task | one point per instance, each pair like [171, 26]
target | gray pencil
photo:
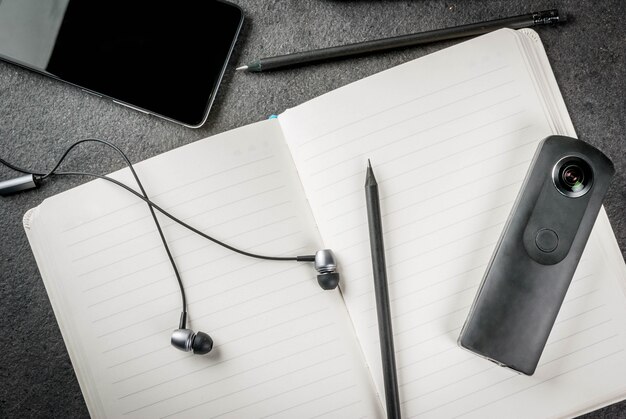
[546, 17]
[385, 331]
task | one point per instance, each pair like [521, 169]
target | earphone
[182, 338]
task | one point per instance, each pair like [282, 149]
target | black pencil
[392, 397]
[546, 17]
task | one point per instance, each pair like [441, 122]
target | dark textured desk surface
[40, 117]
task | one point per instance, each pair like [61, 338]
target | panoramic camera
[537, 254]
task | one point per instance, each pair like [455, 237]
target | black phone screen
[166, 57]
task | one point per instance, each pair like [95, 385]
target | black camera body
[537, 254]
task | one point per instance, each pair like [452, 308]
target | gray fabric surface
[39, 117]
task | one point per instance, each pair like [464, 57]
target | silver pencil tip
[243, 67]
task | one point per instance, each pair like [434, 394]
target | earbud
[186, 340]
[326, 265]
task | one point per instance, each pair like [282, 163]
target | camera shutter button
[546, 240]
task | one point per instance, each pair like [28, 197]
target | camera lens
[572, 176]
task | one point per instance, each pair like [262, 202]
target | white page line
[234, 375]
[349, 176]
[217, 294]
[336, 409]
[166, 226]
[211, 365]
[174, 310]
[152, 196]
[349, 194]
[166, 261]
[379, 163]
[454, 102]
[398, 105]
[251, 404]
[332, 393]
[160, 245]
[167, 222]
[168, 277]
[202, 246]
[191, 304]
[299, 300]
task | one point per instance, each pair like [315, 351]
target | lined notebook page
[450, 137]
[283, 347]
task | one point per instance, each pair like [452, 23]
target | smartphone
[533, 264]
[162, 58]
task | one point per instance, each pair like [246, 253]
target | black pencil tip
[369, 176]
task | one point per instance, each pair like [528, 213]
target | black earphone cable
[152, 206]
[42, 176]
[181, 222]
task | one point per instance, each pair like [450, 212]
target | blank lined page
[283, 346]
[450, 137]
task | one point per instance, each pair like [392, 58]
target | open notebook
[450, 136]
